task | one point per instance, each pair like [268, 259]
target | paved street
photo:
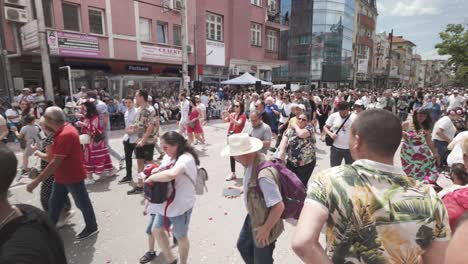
[215, 225]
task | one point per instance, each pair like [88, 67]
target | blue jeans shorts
[180, 224]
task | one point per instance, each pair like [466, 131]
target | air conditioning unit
[16, 15]
[189, 48]
[21, 3]
[178, 4]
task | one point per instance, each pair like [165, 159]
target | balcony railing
[277, 19]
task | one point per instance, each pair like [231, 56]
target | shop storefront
[212, 76]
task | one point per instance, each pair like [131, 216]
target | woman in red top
[97, 158]
[236, 122]
[193, 125]
[455, 197]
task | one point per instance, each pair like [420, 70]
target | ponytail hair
[175, 139]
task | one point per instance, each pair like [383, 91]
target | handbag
[98, 137]
[328, 140]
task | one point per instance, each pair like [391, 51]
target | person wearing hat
[263, 224]
[25, 95]
[358, 107]
[340, 148]
[39, 95]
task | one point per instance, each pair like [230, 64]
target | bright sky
[420, 21]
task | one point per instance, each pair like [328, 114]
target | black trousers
[302, 172]
[233, 164]
[128, 149]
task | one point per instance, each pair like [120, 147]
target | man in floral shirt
[374, 213]
[146, 127]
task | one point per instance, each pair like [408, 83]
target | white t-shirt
[184, 110]
[447, 125]
[287, 110]
[455, 101]
[456, 155]
[11, 112]
[334, 121]
[204, 99]
[185, 190]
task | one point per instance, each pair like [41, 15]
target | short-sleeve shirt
[301, 151]
[185, 195]
[269, 188]
[262, 132]
[11, 112]
[237, 128]
[377, 214]
[102, 109]
[447, 125]
[334, 121]
[146, 117]
[67, 144]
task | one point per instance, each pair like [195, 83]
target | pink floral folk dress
[416, 158]
[97, 158]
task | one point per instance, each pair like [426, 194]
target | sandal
[231, 177]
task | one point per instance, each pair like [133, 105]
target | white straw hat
[241, 144]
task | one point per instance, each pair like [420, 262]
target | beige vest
[256, 207]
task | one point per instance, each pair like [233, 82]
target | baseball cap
[359, 103]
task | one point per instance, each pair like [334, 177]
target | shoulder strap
[342, 124]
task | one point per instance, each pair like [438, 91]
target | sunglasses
[302, 119]
[257, 106]
[237, 106]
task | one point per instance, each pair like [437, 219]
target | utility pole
[49, 92]
[389, 62]
[184, 38]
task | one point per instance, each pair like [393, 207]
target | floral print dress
[417, 159]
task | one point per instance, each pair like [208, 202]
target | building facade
[401, 61]
[433, 73]
[128, 44]
[364, 35]
[320, 43]
[380, 59]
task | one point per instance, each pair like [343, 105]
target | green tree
[455, 44]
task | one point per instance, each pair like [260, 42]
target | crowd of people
[374, 209]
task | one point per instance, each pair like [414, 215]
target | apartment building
[129, 44]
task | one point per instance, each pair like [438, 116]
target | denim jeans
[441, 147]
[128, 148]
[81, 198]
[337, 155]
[249, 252]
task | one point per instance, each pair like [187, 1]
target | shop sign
[75, 45]
[30, 36]
[161, 53]
[138, 68]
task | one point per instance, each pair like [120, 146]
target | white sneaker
[65, 218]
[89, 181]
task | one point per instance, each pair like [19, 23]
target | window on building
[214, 27]
[256, 2]
[272, 6]
[255, 34]
[161, 32]
[177, 35]
[145, 30]
[177, 4]
[96, 21]
[71, 17]
[48, 13]
[272, 40]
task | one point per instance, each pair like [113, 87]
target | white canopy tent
[245, 79]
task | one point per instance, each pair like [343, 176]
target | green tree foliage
[455, 44]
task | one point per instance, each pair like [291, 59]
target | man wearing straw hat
[262, 225]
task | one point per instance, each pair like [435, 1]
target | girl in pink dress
[193, 125]
[97, 158]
